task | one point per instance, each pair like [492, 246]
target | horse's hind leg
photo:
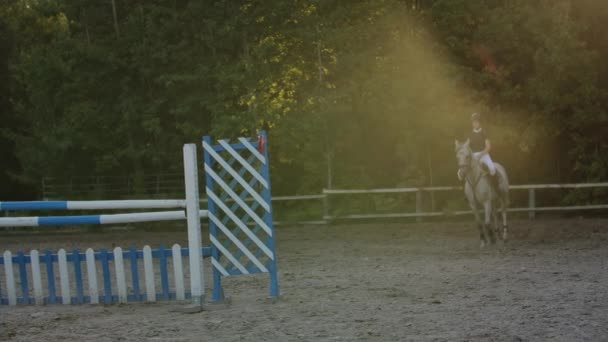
[482, 235]
[495, 223]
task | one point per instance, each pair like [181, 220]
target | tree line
[357, 93]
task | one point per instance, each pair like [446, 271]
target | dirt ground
[372, 282]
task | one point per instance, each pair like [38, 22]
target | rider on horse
[480, 145]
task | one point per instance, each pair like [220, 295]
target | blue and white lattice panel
[240, 209]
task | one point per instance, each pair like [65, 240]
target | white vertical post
[419, 205]
[197, 286]
[149, 274]
[36, 277]
[531, 203]
[66, 297]
[326, 209]
[121, 282]
[92, 276]
[178, 273]
[10, 278]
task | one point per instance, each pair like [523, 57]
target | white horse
[480, 192]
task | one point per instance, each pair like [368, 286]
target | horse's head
[464, 155]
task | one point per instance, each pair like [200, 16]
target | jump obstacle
[241, 234]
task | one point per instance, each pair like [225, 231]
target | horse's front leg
[482, 236]
[487, 206]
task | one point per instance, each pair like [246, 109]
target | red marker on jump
[261, 144]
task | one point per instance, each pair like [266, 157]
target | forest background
[353, 93]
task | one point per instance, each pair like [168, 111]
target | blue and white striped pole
[95, 219]
[92, 205]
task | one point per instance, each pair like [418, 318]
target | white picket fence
[110, 277]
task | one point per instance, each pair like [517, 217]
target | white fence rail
[326, 215]
[532, 209]
[419, 213]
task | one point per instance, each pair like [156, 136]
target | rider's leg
[487, 161]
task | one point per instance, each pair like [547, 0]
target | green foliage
[376, 89]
